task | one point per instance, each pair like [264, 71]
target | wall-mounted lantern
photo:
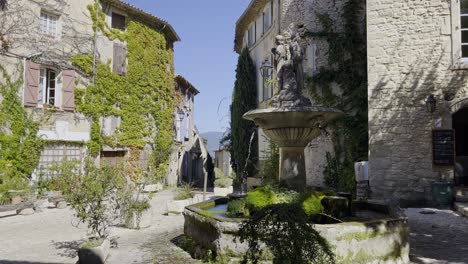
[266, 68]
[181, 115]
[431, 104]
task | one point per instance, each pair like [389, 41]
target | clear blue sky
[205, 55]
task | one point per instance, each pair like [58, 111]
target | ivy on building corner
[144, 99]
[20, 147]
[347, 69]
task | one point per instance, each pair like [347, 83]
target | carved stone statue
[289, 57]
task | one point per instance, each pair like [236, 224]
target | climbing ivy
[144, 98]
[348, 69]
[20, 147]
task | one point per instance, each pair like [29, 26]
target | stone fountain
[376, 232]
[291, 121]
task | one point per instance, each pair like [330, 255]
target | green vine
[20, 147]
[144, 99]
[348, 69]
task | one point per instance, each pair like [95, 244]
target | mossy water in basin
[219, 210]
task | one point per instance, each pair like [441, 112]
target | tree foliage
[244, 99]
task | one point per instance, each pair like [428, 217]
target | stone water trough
[377, 234]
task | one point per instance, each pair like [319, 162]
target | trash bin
[442, 194]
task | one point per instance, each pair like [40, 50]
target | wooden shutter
[120, 59]
[68, 90]
[31, 89]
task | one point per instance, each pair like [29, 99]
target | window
[47, 87]
[55, 153]
[267, 19]
[113, 158]
[120, 59]
[464, 28]
[118, 21]
[49, 24]
[252, 35]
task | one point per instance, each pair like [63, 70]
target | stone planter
[96, 255]
[178, 206]
[41, 205]
[145, 220]
[223, 191]
[382, 240]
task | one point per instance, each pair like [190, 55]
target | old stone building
[38, 41]
[257, 29]
[417, 52]
[190, 160]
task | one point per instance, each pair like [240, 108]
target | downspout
[95, 44]
[279, 17]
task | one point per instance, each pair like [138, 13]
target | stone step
[461, 198]
[462, 208]
[461, 191]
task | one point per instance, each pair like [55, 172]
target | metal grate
[56, 153]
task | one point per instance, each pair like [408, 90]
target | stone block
[153, 188]
[61, 205]
[223, 191]
[16, 200]
[25, 211]
[177, 207]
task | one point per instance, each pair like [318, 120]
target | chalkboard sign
[443, 147]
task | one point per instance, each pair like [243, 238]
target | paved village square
[242, 131]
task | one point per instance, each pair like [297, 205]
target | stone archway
[460, 126]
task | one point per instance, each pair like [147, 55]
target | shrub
[237, 208]
[313, 204]
[184, 192]
[223, 182]
[260, 197]
[93, 194]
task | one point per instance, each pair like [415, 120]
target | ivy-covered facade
[86, 79]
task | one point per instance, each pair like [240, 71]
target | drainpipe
[279, 17]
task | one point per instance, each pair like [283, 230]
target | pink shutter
[68, 90]
[31, 89]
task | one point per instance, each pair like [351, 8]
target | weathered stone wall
[409, 57]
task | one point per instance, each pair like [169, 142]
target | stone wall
[409, 57]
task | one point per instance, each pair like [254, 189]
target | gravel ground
[441, 237]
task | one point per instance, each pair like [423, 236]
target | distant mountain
[213, 141]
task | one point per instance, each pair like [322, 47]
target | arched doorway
[460, 125]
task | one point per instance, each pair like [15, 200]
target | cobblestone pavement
[49, 237]
[440, 238]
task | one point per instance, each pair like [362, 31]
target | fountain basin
[291, 129]
[381, 237]
[293, 126]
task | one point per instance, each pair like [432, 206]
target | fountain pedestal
[292, 167]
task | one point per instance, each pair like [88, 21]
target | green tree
[244, 99]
